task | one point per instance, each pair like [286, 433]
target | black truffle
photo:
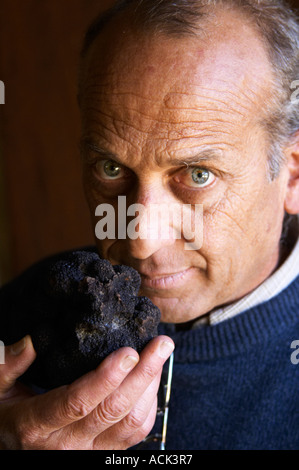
[78, 310]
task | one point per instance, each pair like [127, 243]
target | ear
[291, 203]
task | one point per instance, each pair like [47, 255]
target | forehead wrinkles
[175, 117]
[155, 90]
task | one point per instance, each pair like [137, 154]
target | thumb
[16, 359]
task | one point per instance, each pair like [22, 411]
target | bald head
[226, 52]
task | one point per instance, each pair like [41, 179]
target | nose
[154, 224]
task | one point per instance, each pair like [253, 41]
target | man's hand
[112, 407]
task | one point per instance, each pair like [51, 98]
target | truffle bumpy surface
[79, 310]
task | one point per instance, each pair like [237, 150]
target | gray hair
[278, 26]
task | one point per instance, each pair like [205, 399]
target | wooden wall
[42, 208]
[42, 203]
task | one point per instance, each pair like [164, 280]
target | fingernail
[165, 349]
[18, 347]
[128, 363]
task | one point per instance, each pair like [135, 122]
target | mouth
[166, 281]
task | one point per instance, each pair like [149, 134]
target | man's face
[151, 103]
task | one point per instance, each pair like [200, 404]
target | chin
[176, 310]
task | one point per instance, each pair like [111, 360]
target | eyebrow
[207, 154]
[99, 150]
[199, 157]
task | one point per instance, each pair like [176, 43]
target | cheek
[242, 233]
[232, 229]
[225, 227]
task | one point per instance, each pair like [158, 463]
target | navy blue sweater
[234, 385]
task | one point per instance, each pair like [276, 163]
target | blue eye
[108, 169]
[111, 169]
[196, 177]
[200, 176]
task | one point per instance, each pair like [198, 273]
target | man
[189, 103]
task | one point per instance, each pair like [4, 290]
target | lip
[166, 281]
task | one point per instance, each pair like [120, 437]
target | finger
[106, 441]
[17, 359]
[135, 426]
[65, 405]
[118, 404]
[145, 429]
